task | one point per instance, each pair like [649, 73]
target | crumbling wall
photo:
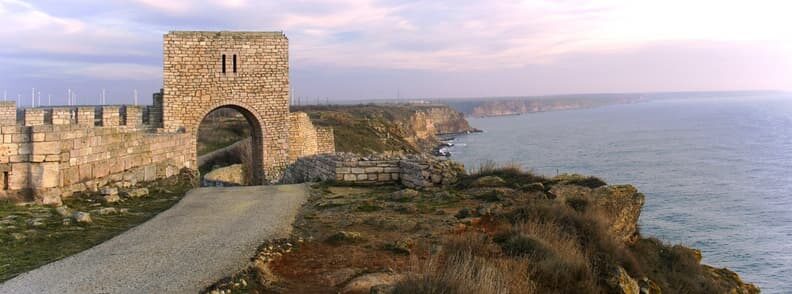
[418, 172]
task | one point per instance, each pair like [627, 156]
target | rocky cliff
[482, 107]
[372, 128]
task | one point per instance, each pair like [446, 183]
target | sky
[372, 49]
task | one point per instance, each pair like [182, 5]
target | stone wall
[302, 136]
[418, 172]
[325, 140]
[247, 71]
[54, 152]
[8, 113]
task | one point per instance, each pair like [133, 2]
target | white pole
[49, 99]
[33, 97]
[136, 97]
[104, 99]
[39, 98]
[68, 97]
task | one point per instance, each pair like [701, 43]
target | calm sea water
[717, 173]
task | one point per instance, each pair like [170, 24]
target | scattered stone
[109, 191]
[112, 198]
[18, 236]
[365, 283]
[123, 210]
[82, 217]
[66, 221]
[107, 211]
[136, 193]
[345, 237]
[404, 195]
[63, 211]
[488, 181]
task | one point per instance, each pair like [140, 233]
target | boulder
[63, 211]
[82, 217]
[365, 283]
[488, 181]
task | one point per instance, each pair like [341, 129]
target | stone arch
[257, 136]
[194, 85]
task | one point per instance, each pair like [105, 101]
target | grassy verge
[31, 236]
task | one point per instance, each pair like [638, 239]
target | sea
[716, 171]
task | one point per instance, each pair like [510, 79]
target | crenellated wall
[51, 153]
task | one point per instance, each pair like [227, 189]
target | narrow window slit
[234, 64]
[224, 63]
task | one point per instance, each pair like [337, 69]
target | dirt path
[209, 234]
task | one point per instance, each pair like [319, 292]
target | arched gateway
[246, 71]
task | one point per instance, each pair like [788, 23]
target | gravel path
[211, 233]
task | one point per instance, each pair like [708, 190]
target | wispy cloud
[442, 37]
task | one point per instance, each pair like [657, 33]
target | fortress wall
[45, 160]
[413, 172]
[302, 136]
[8, 113]
[325, 140]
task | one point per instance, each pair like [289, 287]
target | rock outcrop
[621, 204]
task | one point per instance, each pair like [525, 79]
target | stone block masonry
[44, 160]
[49, 153]
[417, 172]
[247, 71]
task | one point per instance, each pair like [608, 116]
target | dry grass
[468, 264]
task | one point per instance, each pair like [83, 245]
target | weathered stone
[63, 211]
[107, 210]
[109, 191]
[82, 217]
[136, 193]
[112, 198]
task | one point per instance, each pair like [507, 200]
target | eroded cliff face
[410, 128]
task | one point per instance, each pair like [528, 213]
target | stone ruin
[53, 152]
